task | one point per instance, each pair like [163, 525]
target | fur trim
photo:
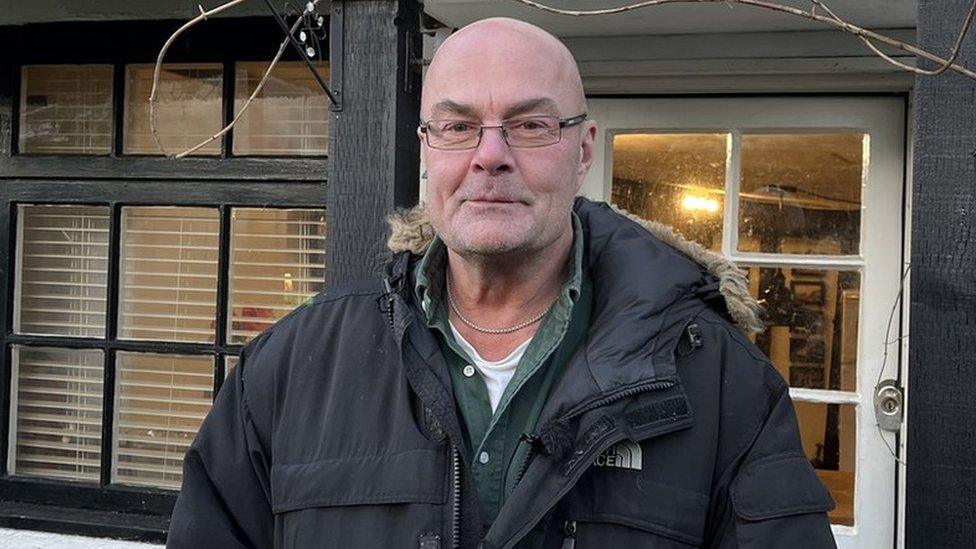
[410, 230]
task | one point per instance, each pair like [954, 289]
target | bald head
[493, 55]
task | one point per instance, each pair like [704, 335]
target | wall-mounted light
[694, 203]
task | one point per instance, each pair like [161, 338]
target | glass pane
[161, 401]
[58, 403]
[277, 262]
[230, 362]
[289, 117]
[811, 324]
[169, 273]
[62, 270]
[188, 108]
[677, 179]
[828, 433]
[66, 109]
[801, 193]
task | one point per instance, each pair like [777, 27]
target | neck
[496, 292]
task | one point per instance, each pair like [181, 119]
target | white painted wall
[27, 539]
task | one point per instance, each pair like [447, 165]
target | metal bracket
[889, 405]
[337, 39]
[336, 105]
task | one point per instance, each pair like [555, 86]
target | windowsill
[66, 520]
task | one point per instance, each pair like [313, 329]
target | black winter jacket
[668, 428]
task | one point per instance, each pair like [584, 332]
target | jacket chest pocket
[389, 500]
[614, 508]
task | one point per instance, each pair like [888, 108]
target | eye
[455, 126]
[533, 124]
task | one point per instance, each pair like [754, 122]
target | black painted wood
[941, 473]
[374, 153]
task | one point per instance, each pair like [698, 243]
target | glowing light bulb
[699, 204]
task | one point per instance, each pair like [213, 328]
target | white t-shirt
[496, 374]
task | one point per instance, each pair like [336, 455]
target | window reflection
[801, 188]
[66, 109]
[188, 108]
[811, 324]
[828, 434]
[677, 179]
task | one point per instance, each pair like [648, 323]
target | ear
[586, 151]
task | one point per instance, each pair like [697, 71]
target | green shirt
[495, 439]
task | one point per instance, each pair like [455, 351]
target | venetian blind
[66, 109]
[169, 273]
[161, 400]
[277, 262]
[62, 258]
[58, 400]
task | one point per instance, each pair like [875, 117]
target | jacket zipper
[456, 499]
[534, 439]
[570, 527]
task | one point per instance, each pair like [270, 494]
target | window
[134, 280]
[167, 286]
[290, 116]
[66, 109]
[188, 108]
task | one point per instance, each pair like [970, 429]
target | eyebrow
[449, 107]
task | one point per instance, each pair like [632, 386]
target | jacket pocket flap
[415, 476]
[779, 486]
[654, 507]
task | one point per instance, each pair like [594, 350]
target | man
[534, 370]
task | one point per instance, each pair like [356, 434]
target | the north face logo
[624, 455]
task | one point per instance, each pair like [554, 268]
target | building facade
[132, 280]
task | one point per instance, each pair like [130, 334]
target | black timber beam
[374, 153]
[941, 472]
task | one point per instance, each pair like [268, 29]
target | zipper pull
[569, 531]
[694, 335]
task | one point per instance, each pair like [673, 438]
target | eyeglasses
[533, 131]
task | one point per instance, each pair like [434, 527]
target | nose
[493, 154]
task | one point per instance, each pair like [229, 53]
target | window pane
[188, 108]
[66, 109]
[289, 117]
[277, 262]
[811, 324]
[169, 273]
[58, 412]
[230, 362]
[828, 433]
[804, 187]
[677, 179]
[62, 269]
[161, 401]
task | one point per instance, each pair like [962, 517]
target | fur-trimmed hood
[410, 230]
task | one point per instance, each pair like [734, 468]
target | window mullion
[118, 107]
[227, 143]
[111, 329]
[223, 290]
[730, 216]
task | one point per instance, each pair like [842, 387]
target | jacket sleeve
[225, 498]
[774, 497]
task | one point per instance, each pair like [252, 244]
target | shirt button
[468, 370]
[483, 458]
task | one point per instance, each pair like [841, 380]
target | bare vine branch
[257, 89]
[865, 35]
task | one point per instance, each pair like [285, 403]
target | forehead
[497, 78]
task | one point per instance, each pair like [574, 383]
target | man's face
[497, 200]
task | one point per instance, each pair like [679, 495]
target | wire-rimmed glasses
[530, 131]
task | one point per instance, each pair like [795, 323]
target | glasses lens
[537, 131]
[452, 134]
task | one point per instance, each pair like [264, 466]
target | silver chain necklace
[493, 331]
